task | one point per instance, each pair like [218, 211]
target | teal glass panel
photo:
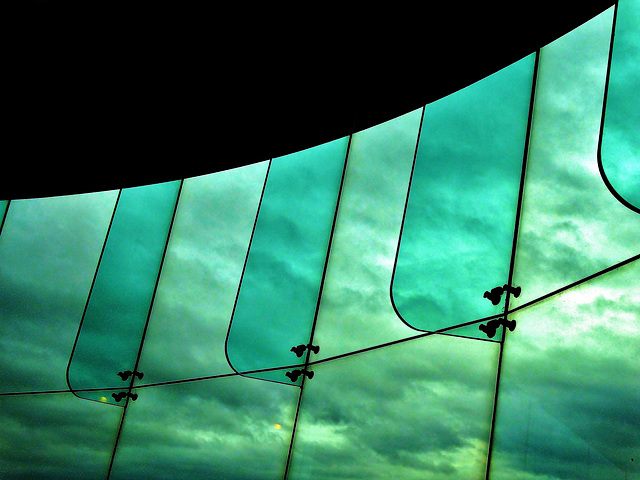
[3, 210]
[116, 313]
[200, 275]
[355, 296]
[569, 390]
[620, 148]
[49, 250]
[458, 230]
[568, 387]
[55, 436]
[417, 410]
[230, 428]
[571, 226]
[277, 299]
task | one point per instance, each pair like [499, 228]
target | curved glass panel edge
[457, 234]
[111, 329]
[619, 152]
[279, 289]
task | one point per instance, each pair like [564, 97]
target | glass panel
[569, 394]
[458, 229]
[620, 148]
[231, 428]
[355, 297]
[116, 313]
[276, 303]
[571, 225]
[3, 210]
[49, 250]
[200, 276]
[569, 375]
[55, 436]
[412, 411]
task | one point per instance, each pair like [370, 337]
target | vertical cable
[318, 302]
[516, 229]
[144, 332]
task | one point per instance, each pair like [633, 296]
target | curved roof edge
[105, 97]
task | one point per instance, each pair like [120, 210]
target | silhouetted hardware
[492, 326]
[127, 373]
[510, 324]
[299, 350]
[495, 295]
[515, 291]
[120, 395]
[294, 374]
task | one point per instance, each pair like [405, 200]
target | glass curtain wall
[450, 294]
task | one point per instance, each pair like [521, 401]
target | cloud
[416, 409]
[405, 408]
[571, 225]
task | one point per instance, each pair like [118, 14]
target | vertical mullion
[513, 256]
[93, 282]
[144, 332]
[317, 310]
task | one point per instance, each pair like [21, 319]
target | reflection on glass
[116, 313]
[416, 410]
[49, 250]
[458, 230]
[571, 225]
[277, 300]
[231, 428]
[620, 148]
[55, 436]
[569, 394]
[200, 275]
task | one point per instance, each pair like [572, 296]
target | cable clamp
[299, 350]
[294, 374]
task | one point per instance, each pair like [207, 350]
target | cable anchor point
[299, 349]
[492, 326]
[127, 373]
[294, 374]
[495, 295]
[120, 395]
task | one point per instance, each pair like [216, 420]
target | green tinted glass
[200, 275]
[569, 385]
[421, 409]
[3, 210]
[571, 225]
[231, 428]
[55, 436]
[117, 310]
[458, 229]
[356, 296]
[276, 303]
[49, 250]
[620, 148]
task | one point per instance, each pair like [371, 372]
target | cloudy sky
[420, 408]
